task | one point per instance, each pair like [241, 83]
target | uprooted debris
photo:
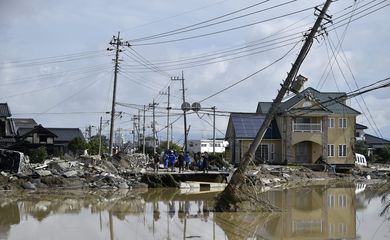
[122, 171]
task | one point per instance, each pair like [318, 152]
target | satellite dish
[196, 106]
[185, 106]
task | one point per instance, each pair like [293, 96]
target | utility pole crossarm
[229, 197]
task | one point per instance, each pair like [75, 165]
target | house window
[331, 123]
[265, 152]
[342, 123]
[342, 201]
[42, 139]
[330, 150]
[272, 151]
[343, 228]
[331, 201]
[203, 145]
[342, 150]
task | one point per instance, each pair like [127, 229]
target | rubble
[122, 171]
[126, 171]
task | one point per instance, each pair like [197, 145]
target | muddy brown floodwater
[317, 212]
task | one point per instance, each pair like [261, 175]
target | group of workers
[183, 161]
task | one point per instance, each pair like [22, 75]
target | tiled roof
[24, 123]
[374, 140]
[263, 107]
[246, 126]
[66, 134]
[4, 110]
[330, 102]
[22, 132]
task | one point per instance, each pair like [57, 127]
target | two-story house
[313, 126]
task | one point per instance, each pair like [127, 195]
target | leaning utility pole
[228, 199]
[116, 42]
[183, 108]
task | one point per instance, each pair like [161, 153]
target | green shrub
[38, 155]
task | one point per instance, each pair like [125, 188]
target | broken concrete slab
[60, 166]
[28, 185]
[123, 185]
[43, 173]
[11, 160]
[71, 173]
[109, 167]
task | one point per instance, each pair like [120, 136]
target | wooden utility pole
[116, 42]
[228, 199]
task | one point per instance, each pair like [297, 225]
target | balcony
[307, 127]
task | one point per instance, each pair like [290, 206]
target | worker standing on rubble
[180, 159]
[172, 160]
[166, 159]
[156, 161]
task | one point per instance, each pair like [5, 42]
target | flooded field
[319, 212]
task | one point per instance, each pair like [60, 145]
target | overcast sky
[54, 66]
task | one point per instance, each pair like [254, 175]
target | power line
[251, 75]
[193, 26]
[176, 15]
[227, 57]
[60, 60]
[225, 30]
[45, 88]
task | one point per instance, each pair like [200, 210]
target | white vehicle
[360, 160]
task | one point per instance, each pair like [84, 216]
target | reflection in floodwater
[320, 212]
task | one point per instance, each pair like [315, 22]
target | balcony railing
[307, 127]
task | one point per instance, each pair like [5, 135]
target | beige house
[309, 127]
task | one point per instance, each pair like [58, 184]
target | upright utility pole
[213, 129]
[183, 108]
[139, 127]
[228, 199]
[143, 132]
[154, 125]
[116, 42]
[168, 109]
[100, 135]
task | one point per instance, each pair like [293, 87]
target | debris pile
[122, 171]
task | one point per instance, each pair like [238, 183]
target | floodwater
[320, 212]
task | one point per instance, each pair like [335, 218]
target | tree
[93, 145]
[77, 145]
[38, 155]
[382, 155]
[361, 148]
[172, 146]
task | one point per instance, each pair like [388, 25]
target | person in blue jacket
[166, 159]
[172, 160]
[187, 160]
